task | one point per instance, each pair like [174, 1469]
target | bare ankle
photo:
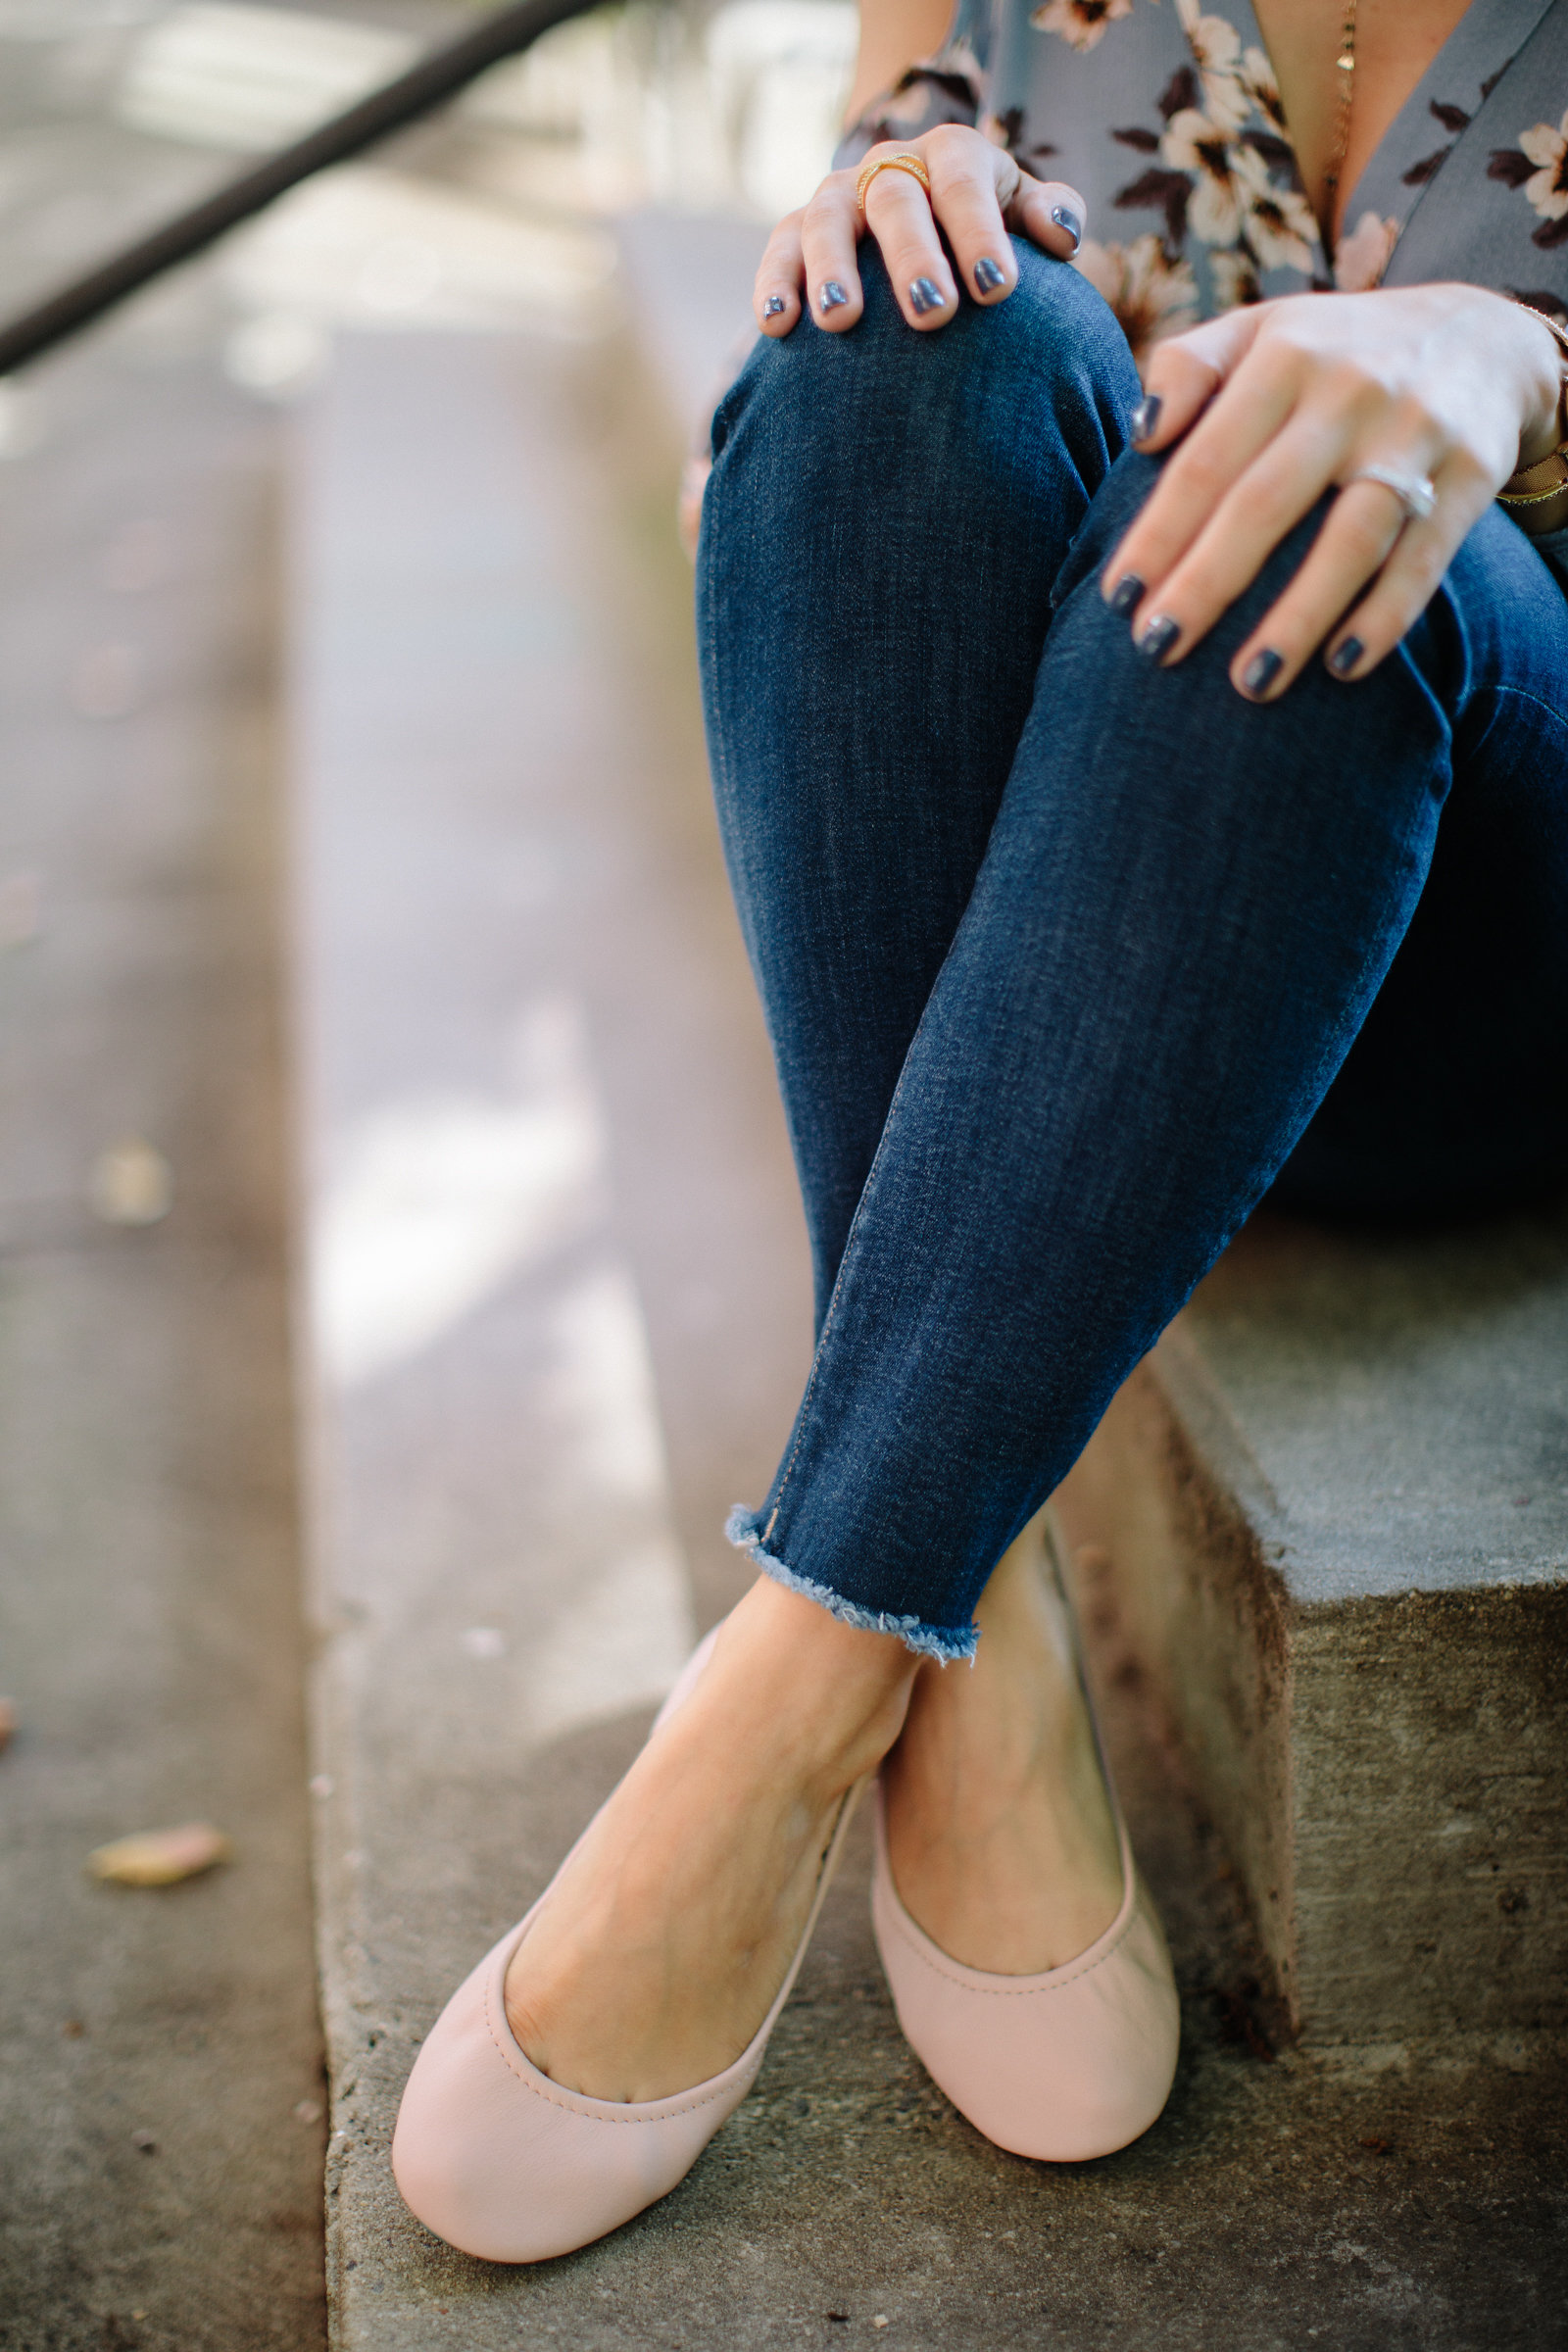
[831, 1696]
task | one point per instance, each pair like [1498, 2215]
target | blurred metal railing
[436, 76]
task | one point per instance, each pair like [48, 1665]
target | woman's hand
[977, 194]
[1276, 404]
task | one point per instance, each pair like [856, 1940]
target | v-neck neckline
[1486, 38]
[1407, 158]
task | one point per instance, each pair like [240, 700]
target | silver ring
[1416, 492]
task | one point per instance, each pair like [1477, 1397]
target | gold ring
[889, 162]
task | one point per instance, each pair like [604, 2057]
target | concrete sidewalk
[160, 2166]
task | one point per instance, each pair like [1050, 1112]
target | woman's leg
[885, 518]
[1190, 991]
[1186, 910]
[918, 496]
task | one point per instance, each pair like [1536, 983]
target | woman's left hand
[1274, 405]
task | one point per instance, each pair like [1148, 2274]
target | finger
[780, 277]
[967, 182]
[1182, 375]
[1410, 578]
[830, 230]
[1050, 212]
[1196, 480]
[898, 214]
[1359, 535]
[1240, 533]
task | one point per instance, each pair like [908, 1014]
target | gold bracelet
[1538, 483]
[1547, 479]
[889, 162]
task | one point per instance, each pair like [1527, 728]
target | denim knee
[993, 407]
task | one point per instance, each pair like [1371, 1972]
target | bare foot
[1001, 1835]
[667, 1933]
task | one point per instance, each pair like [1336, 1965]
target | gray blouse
[1166, 116]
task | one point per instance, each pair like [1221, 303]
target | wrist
[1535, 494]
[1543, 518]
[1542, 428]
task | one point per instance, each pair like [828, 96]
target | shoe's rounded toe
[1062, 2067]
[507, 2165]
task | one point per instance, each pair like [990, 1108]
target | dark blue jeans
[1068, 960]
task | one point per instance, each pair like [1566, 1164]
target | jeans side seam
[788, 1471]
[721, 755]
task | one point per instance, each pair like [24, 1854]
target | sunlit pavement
[371, 722]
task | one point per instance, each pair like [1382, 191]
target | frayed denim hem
[939, 1642]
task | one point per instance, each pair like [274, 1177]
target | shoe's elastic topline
[1069, 2064]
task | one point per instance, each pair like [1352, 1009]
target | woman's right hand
[978, 193]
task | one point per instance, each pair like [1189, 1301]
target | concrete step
[1327, 1523]
[554, 1317]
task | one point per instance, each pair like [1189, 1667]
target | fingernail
[989, 274]
[1070, 223]
[1261, 671]
[774, 307]
[832, 296]
[1345, 657]
[1145, 418]
[924, 296]
[1159, 636]
[1127, 595]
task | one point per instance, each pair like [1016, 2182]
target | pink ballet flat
[1062, 2066]
[506, 2164]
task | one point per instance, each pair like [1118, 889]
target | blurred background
[502, 212]
[400, 1268]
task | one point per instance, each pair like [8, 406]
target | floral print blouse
[1166, 115]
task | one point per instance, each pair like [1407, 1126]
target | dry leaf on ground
[132, 1183]
[8, 1721]
[161, 1857]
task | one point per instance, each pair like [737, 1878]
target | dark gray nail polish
[1070, 223]
[1127, 595]
[1145, 418]
[1159, 636]
[832, 296]
[1261, 671]
[1346, 655]
[923, 297]
[989, 274]
[774, 307]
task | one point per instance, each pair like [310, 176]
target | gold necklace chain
[1345, 68]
